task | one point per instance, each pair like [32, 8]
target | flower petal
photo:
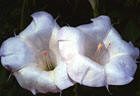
[39, 31]
[119, 46]
[95, 33]
[36, 80]
[122, 64]
[16, 54]
[61, 77]
[120, 70]
[98, 29]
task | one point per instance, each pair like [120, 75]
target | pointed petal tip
[42, 15]
[33, 91]
[102, 17]
[136, 51]
[107, 87]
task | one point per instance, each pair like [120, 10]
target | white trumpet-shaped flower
[96, 55]
[32, 51]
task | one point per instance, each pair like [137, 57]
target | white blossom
[96, 55]
[30, 53]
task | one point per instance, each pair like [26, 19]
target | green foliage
[124, 14]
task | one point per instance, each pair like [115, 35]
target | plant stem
[94, 4]
[75, 90]
[22, 15]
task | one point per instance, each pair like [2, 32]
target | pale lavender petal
[122, 64]
[16, 54]
[39, 31]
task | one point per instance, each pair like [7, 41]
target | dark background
[124, 14]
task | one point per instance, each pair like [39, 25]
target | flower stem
[75, 90]
[22, 14]
[94, 4]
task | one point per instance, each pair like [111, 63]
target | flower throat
[47, 60]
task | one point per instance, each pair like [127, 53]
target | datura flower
[33, 56]
[96, 55]
[46, 58]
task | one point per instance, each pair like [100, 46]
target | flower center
[101, 55]
[47, 60]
